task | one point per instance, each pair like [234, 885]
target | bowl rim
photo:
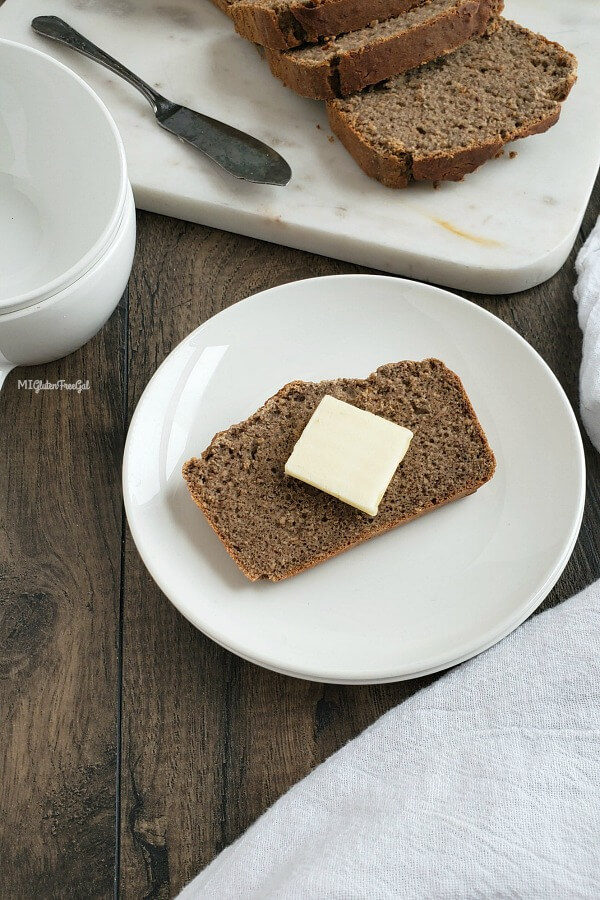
[127, 215]
[85, 262]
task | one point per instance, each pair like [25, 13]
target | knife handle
[57, 29]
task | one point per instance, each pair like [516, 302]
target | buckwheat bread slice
[352, 61]
[282, 24]
[275, 526]
[446, 118]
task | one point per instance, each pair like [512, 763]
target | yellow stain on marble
[482, 241]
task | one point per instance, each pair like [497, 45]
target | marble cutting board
[505, 228]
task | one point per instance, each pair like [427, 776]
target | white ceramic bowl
[67, 218]
[62, 323]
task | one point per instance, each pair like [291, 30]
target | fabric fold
[484, 785]
[587, 296]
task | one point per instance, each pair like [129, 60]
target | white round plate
[420, 598]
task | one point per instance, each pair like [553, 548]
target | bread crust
[188, 472]
[322, 557]
[224, 5]
[355, 69]
[398, 170]
[306, 23]
[392, 169]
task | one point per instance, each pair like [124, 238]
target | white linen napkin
[587, 295]
[484, 785]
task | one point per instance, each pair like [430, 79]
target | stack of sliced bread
[415, 89]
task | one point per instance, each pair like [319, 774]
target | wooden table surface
[134, 749]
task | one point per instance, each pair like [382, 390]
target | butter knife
[238, 153]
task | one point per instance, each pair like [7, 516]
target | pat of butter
[349, 453]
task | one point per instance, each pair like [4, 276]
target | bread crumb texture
[283, 24]
[347, 63]
[445, 118]
[275, 526]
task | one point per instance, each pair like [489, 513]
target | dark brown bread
[354, 60]
[275, 526]
[282, 24]
[445, 119]
[225, 5]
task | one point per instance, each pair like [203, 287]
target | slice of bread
[354, 60]
[446, 118]
[282, 24]
[275, 526]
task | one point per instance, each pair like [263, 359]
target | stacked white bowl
[67, 216]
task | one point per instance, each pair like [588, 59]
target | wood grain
[210, 741]
[60, 551]
[198, 743]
